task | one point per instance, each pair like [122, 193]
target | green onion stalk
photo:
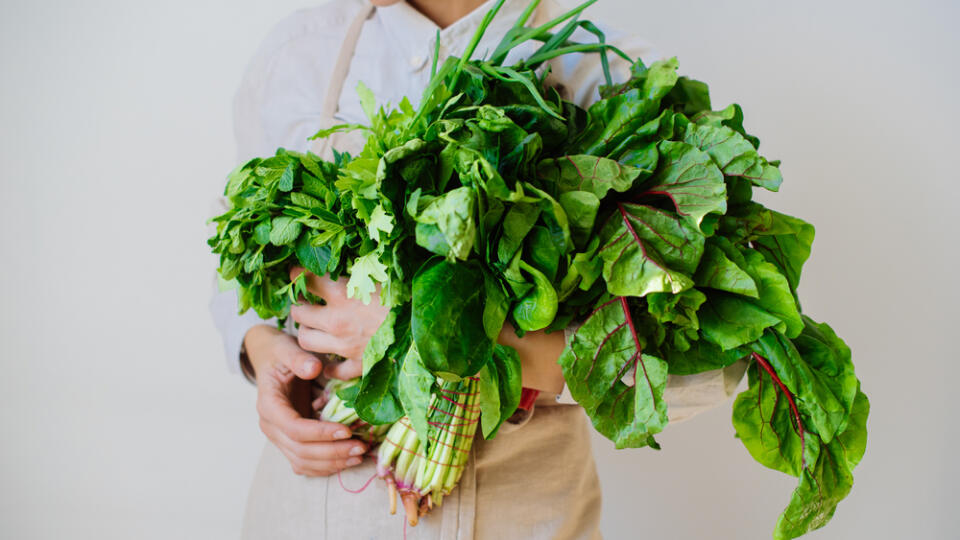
[337, 410]
[422, 473]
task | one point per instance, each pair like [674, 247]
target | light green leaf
[366, 272]
[284, 231]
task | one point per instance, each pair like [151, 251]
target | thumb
[346, 370]
[302, 363]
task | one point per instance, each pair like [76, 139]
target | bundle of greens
[498, 202]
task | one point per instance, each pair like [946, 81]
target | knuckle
[303, 339]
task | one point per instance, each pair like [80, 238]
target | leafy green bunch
[284, 209]
[497, 202]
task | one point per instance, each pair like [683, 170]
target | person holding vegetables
[537, 478]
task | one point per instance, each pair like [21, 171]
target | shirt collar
[414, 34]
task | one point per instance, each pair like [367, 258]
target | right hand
[284, 402]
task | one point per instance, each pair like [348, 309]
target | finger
[276, 409]
[301, 460]
[346, 370]
[296, 271]
[328, 451]
[302, 363]
[326, 288]
[319, 341]
[319, 403]
[318, 317]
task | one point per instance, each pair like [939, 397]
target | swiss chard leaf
[646, 250]
[690, 179]
[604, 349]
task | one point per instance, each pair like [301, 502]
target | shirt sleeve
[686, 395]
[277, 104]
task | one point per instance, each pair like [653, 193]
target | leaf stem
[763, 363]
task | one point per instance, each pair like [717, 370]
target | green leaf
[495, 307]
[261, 233]
[304, 200]
[815, 500]
[829, 480]
[734, 154]
[517, 223]
[615, 118]
[786, 243]
[536, 310]
[593, 174]
[366, 272]
[286, 179]
[581, 208]
[489, 399]
[506, 363]
[542, 252]
[380, 222]
[377, 402]
[765, 425]
[690, 179]
[380, 342]
[447, 319]
[699, 357]
[718, 271]
[604, 349]
[646, 250]
[415, 387]
[452, 216]
[821, 400]
[284, 230]
[314, 258]
[730, 321]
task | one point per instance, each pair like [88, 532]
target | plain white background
[119, 419]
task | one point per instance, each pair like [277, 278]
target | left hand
[343, 326]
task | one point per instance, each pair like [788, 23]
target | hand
[314, 448]
[538, 352]
[343, 326]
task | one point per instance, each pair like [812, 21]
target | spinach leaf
[447, 319]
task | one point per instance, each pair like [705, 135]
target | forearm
[257, 342]
[538, 353]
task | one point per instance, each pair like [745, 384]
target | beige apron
[535, 480]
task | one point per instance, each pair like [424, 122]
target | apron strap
[344, 58]
[331, 99]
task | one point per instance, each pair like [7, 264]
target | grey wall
[119, 420]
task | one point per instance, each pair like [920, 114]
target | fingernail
[309, 366]
[356, 450]
[341, 434]
[353, 461]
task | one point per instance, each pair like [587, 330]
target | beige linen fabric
[535, 480]
[538, 481]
